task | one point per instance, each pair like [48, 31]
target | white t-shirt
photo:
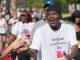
[2, 26]
[22, 29]
[39, 24]
[52, 43]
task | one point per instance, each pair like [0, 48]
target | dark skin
[54, 22]
[24, 18]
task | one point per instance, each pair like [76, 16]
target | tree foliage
[40, 3]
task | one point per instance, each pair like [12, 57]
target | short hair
[56, 8]
[75, 14]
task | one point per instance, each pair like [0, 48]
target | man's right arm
[33, 54]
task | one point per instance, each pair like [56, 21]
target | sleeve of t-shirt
[72, 36]
[36, 43]
[14, 29]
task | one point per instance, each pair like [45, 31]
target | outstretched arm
[14, 45]
[74, 50]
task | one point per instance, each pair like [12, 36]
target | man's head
[53, 15]
[46, 5]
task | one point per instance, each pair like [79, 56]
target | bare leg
[0, 43]
[3, 41]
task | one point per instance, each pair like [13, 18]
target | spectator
[35, 19]
[76, 19]
[22, 30]
[3, 31]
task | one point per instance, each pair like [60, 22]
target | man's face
[52, 18]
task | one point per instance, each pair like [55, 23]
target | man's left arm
[74, 50]
[73, 43]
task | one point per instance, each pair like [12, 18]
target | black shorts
[13, 55]
[21, 56]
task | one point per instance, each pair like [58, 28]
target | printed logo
[25, 33]
[60, 54]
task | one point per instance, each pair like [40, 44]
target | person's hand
[24, 48]
[17, 43]
[68, 57]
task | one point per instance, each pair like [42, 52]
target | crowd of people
[31, 35]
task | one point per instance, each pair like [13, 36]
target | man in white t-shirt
[55, 41]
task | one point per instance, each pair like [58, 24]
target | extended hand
[17, 43]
